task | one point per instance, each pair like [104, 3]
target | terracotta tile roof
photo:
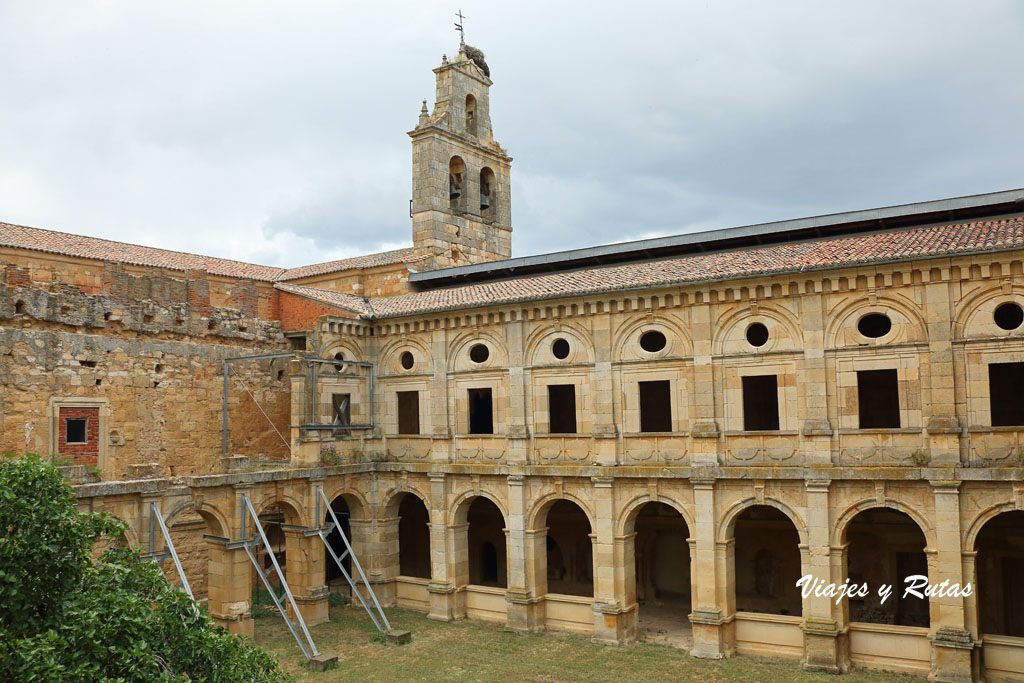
[777, 258]
[349, 302]
[52, 242]
[80, 246]
[384, 258]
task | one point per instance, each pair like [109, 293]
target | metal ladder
[251, 545]
[376, 612]
[156, 520]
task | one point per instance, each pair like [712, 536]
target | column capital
[945, 486]
[817, 485]
[603, 482]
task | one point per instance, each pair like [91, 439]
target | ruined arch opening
[999, 567]
[767, 562]
[662, 570]
[885, 546]
[569, 556]
[486, 548]
[413, 537]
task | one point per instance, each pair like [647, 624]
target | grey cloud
[277, 132]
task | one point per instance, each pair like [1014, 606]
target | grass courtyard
[471, 651]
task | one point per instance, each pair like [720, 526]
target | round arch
[725, 328]
[983, 518]
[393, 499]
[627, 518]
[538, 352]
[843, 522]
[349, 349]
[544, 503]
[727, 527]
[390, 356]
[680, 344]
[841, 317]
[458, 351]
[358, 510]
[460, 506]
[981, 304]
[289, 506]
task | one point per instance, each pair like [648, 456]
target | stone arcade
[655, 436]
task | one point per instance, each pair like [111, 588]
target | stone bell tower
[461, 208]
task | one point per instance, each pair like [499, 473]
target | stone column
[625, 586]
[229, 588]
[711, 618]
[440, 588]
[951, 641]
[522, 604]
[609, 622]
[822, 650]
[305, 575]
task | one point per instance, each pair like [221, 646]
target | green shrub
[65, 616]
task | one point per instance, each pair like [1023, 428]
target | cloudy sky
[274, 132]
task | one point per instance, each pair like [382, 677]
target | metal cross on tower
[458, 26]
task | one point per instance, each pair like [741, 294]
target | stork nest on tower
[477, 55]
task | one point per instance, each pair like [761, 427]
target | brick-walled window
[78, 434]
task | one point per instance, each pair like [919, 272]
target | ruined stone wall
[200, 290]
[146, 354]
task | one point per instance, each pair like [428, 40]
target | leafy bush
[65, 616]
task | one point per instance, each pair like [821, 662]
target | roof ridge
[130, 244]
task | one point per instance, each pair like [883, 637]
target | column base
[825, 646]
[442, 601]
[614, 625]
[951, 655]
[314, 607]
[238, 624]
[525, 612]
[713, 636]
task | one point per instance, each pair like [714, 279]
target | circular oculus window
[757, 334]
[560, 349]
[874, 325]
[1009, 316]
[652, 341]
[479, 353]
[407, 360]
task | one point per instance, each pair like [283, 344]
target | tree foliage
[65, 616]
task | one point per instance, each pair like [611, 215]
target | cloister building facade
[661, 435]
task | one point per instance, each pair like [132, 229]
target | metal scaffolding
[252, 546]
[376, 612]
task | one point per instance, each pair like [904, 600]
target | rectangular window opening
[341, 411]
[75, 430]
[760, 403]
[408, 412]
[481, 411]
[562, 408]
[878, 399]
[1005, 395]
[656, 406]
